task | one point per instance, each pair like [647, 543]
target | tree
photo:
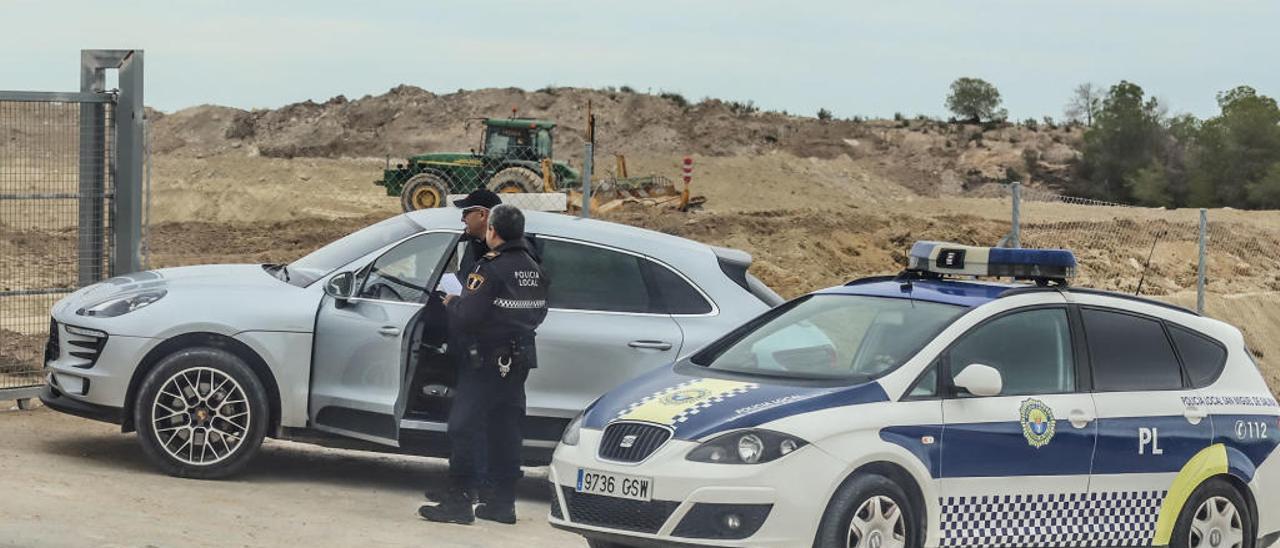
[1085, 102]
[1150, 186]
[824, 114]
[1237, 150]
[975, 100]
[1126, 136]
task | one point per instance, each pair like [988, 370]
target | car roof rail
[1100, 292]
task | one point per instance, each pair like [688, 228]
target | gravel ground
[66, 481]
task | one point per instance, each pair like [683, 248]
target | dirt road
[67, 481]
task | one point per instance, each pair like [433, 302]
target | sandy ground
[73, 482]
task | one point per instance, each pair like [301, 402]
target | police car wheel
[201, 413]
[869, 511]
[1215, 516]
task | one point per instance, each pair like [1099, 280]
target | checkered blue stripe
[1126, 518]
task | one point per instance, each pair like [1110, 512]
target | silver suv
[347, 343]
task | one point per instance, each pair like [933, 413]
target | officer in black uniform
[475, 215]
[504, 299]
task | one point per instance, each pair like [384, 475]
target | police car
[933, 408]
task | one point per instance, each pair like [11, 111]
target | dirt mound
[409, 120]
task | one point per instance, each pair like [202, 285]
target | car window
[403, 272]
[1030, 349]
[592, 278]
[329, 258]
[1129, 352]
[1203, 358]
[927, 385]
[834, 336]
[675, 294]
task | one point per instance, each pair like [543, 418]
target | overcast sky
[853, 57]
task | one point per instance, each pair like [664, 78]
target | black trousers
[484, 430]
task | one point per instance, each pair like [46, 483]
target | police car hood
[696, 406]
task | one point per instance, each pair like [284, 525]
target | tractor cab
[516, 139]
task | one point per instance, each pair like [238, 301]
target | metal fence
[69, 202]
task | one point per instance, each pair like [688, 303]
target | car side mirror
[980, 380]
[341, 286]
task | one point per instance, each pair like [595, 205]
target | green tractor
[514, 156]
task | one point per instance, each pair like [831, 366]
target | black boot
[455, 508]
[436, 494]
[501, 512]
[498, 504]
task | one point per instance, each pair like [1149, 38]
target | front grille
[632, 441]
[51, 347]
[615, 513]
[555, 503]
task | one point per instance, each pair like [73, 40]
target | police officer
[504, 299]
[475, 215]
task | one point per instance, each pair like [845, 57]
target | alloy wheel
[200, 416]
[1216, 524]
[878, 523]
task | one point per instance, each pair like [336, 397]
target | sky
[854, 57]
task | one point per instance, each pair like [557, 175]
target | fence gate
[70, 202]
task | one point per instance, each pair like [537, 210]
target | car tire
[201, 413]
[515, 179]
[1216, 508]
[880, 505]
[424, 191]
[593, 543]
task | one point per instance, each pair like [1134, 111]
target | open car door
[360, 366]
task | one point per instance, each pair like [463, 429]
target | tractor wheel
[424, 191]
[515, 179]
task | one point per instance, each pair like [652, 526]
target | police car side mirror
[340, 286]
[980, 380]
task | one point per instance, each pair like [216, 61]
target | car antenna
[1148, 265]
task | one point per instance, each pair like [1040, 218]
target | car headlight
[572, 432]
[121, 305]
[746, 447]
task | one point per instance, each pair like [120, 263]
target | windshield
[835, 337]
[321, 262]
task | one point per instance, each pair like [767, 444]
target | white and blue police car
[933, 408]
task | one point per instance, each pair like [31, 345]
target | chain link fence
[1223, 263]
[56, 218]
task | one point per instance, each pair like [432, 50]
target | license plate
[614, 485]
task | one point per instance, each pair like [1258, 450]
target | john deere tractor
[514, 156]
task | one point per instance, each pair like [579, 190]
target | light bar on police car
[963, 260]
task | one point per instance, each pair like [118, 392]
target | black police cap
[479, 198]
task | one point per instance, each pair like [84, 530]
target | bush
[824, 114]
[674, 97]
[898, 117]
[626, 89]
[1031, 124]
[549, 89]
[739, 108]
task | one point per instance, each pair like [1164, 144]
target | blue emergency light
[942, 258]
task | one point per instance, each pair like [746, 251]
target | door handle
[1195, 414]
[1079, 419]
[654, 345]
[389, 331]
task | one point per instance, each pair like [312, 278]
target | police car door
[1015, 465]
[1146, 430]
[359, 368]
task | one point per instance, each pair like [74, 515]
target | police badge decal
[1037, 422]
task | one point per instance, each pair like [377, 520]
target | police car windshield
[322, 261]
[836, 337]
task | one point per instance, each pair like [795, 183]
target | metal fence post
[126, 256]
[1204, 238]
[586, 182]
[1015, 235]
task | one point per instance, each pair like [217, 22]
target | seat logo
[685, 396]
[628, 441]
[1037, 422]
